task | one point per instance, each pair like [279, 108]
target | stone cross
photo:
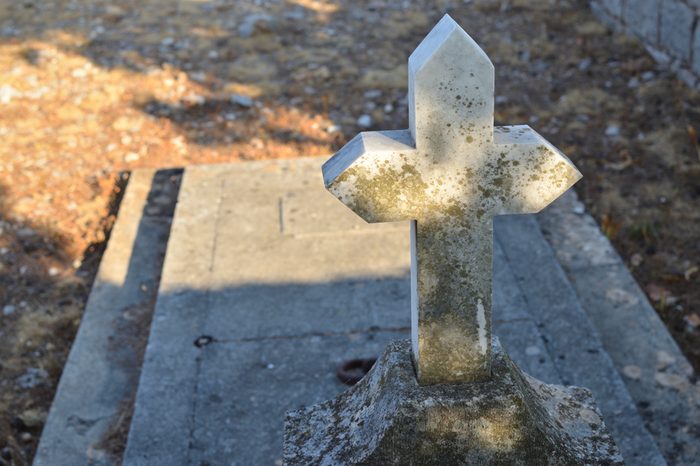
[450, 173]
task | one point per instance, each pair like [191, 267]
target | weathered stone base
[388, 419]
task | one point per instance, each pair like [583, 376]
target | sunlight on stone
[498, 430]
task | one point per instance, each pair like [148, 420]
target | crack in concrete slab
[213, 340]
[208, 297]
[301, 336]
[193, 413]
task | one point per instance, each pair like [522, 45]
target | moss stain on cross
[450, 173]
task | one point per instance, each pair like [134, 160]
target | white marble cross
[450, 174]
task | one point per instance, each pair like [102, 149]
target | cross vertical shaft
[451, 315]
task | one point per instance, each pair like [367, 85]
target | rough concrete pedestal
[388, 419]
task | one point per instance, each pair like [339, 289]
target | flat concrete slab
[570, 338]
[657, 375]
[269, 282]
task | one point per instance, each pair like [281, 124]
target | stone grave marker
[453, 396]
[450, 174]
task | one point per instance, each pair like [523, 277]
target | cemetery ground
[91, 90]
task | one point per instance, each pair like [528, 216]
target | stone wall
[668, 28]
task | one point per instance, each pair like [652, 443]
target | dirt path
[89, 89]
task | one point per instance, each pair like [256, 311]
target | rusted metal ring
[351, 371]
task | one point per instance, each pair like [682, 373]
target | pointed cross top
[450, 174]
[449, 78]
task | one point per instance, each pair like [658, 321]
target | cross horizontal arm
[533, 173]
[370, 175]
